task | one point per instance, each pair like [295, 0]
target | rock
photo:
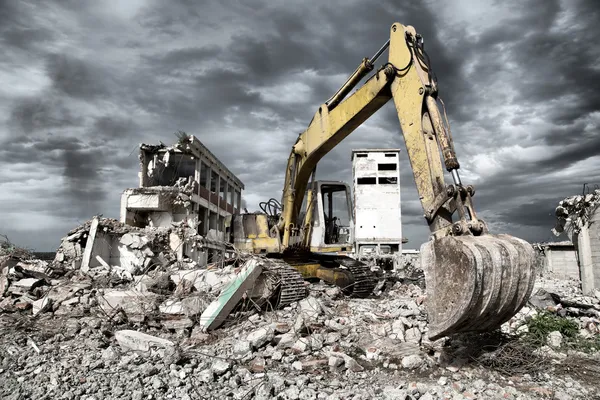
[286, 340]
[412, 362]
[335, 362]
[413, 335]
[351, 364]
[264, 391]
[158, 384]
[177, 323]
[40, 305]
[257, 365]
[307, 394]
[194, 306]
[391, 393]
[276, 356]
[291, 393]
[219, 367]
[297, 365]
[397, 330]
[554, 339]
[260, 337]
[559, 395]
[206, 375]
[242, 347]
[300, 345]
[310, 307]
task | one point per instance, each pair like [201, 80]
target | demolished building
[579, 217]
[185, 185]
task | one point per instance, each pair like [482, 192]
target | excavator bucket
[475, 283]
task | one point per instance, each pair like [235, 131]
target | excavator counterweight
[475, 281]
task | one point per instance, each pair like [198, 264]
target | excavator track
[290, 284]
[363, 279]
[353, 277]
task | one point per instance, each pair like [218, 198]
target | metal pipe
[380, 51]
[363, 69]
[456, 177]
[444, 139]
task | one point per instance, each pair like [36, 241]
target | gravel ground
[324, 347]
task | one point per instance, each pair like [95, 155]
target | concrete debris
[138, 341]
[574, 212]
[176, 330]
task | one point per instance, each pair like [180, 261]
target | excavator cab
[332, 229]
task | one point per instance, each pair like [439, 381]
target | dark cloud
[31, 114]
[75, 77]
[114, 127]
[538, 213]
[16, 27]
[246, 78]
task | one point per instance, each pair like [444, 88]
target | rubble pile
[575, 211]
[326, 346]
[165, 328]
[140, 243]
[565, 299]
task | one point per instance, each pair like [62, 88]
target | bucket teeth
[475, 283]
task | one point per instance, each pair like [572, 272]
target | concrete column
[586, 267]
[198, 173]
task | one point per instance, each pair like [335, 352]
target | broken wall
[579, 218]
[559, 260]
[588, 248]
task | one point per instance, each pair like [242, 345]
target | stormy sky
[83, 83]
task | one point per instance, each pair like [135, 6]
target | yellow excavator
[475, 281]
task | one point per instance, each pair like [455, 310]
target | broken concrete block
[218, 311]
[3, 280]
[135, 304]
[219, 367]
[286, 340]
[132, 261]
[171, 307]
[177, 323]
[242, 347]
[89, 246]
[28, 283]
[194, 306]
[413, 335]
[40, 305]
[138, 341]
[193, 276]
[412, 362]
[58, 294]
[260, 337]
[311, 307]
[300, 346]
[257, 365]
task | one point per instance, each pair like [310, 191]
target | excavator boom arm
[406, 80]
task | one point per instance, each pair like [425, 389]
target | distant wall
[561, 261]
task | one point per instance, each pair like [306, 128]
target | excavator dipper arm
[475, 280]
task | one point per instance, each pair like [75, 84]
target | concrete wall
[562, 262]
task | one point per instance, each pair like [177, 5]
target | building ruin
[184, 185]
